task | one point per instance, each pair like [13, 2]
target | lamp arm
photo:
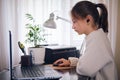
[63, 19]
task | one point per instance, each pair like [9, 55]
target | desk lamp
[50, 23]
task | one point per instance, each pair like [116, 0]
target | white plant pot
[38, 54]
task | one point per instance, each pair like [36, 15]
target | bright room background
[12, 15]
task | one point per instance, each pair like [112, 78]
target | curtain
[12, 15]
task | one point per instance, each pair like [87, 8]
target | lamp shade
[50, 23]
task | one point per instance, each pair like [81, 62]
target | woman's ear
[88, 18]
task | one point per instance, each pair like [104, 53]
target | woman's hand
[62, 62]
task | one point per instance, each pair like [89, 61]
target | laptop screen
[10, 46]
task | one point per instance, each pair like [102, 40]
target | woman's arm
[95, 58]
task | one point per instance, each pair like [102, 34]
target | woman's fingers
[59, 60]
[65, 63]
[62, 62]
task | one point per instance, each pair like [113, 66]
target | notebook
[35, 72]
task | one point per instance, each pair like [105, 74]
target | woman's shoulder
[98, 34]
[98, 37]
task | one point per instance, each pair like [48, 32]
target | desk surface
[68, 74]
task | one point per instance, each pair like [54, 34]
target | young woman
[97, 60]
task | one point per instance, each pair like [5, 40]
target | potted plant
[35, 34]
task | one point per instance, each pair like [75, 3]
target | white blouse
[97, 59]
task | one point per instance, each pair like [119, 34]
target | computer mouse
[58, 63]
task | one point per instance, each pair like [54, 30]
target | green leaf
[29, 16]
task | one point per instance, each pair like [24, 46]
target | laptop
[35, 72]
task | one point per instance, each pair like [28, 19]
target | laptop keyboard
[39, 71]
[31, 72]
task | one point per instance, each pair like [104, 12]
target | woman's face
[79, 25]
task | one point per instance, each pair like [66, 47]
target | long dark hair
[84, 8]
